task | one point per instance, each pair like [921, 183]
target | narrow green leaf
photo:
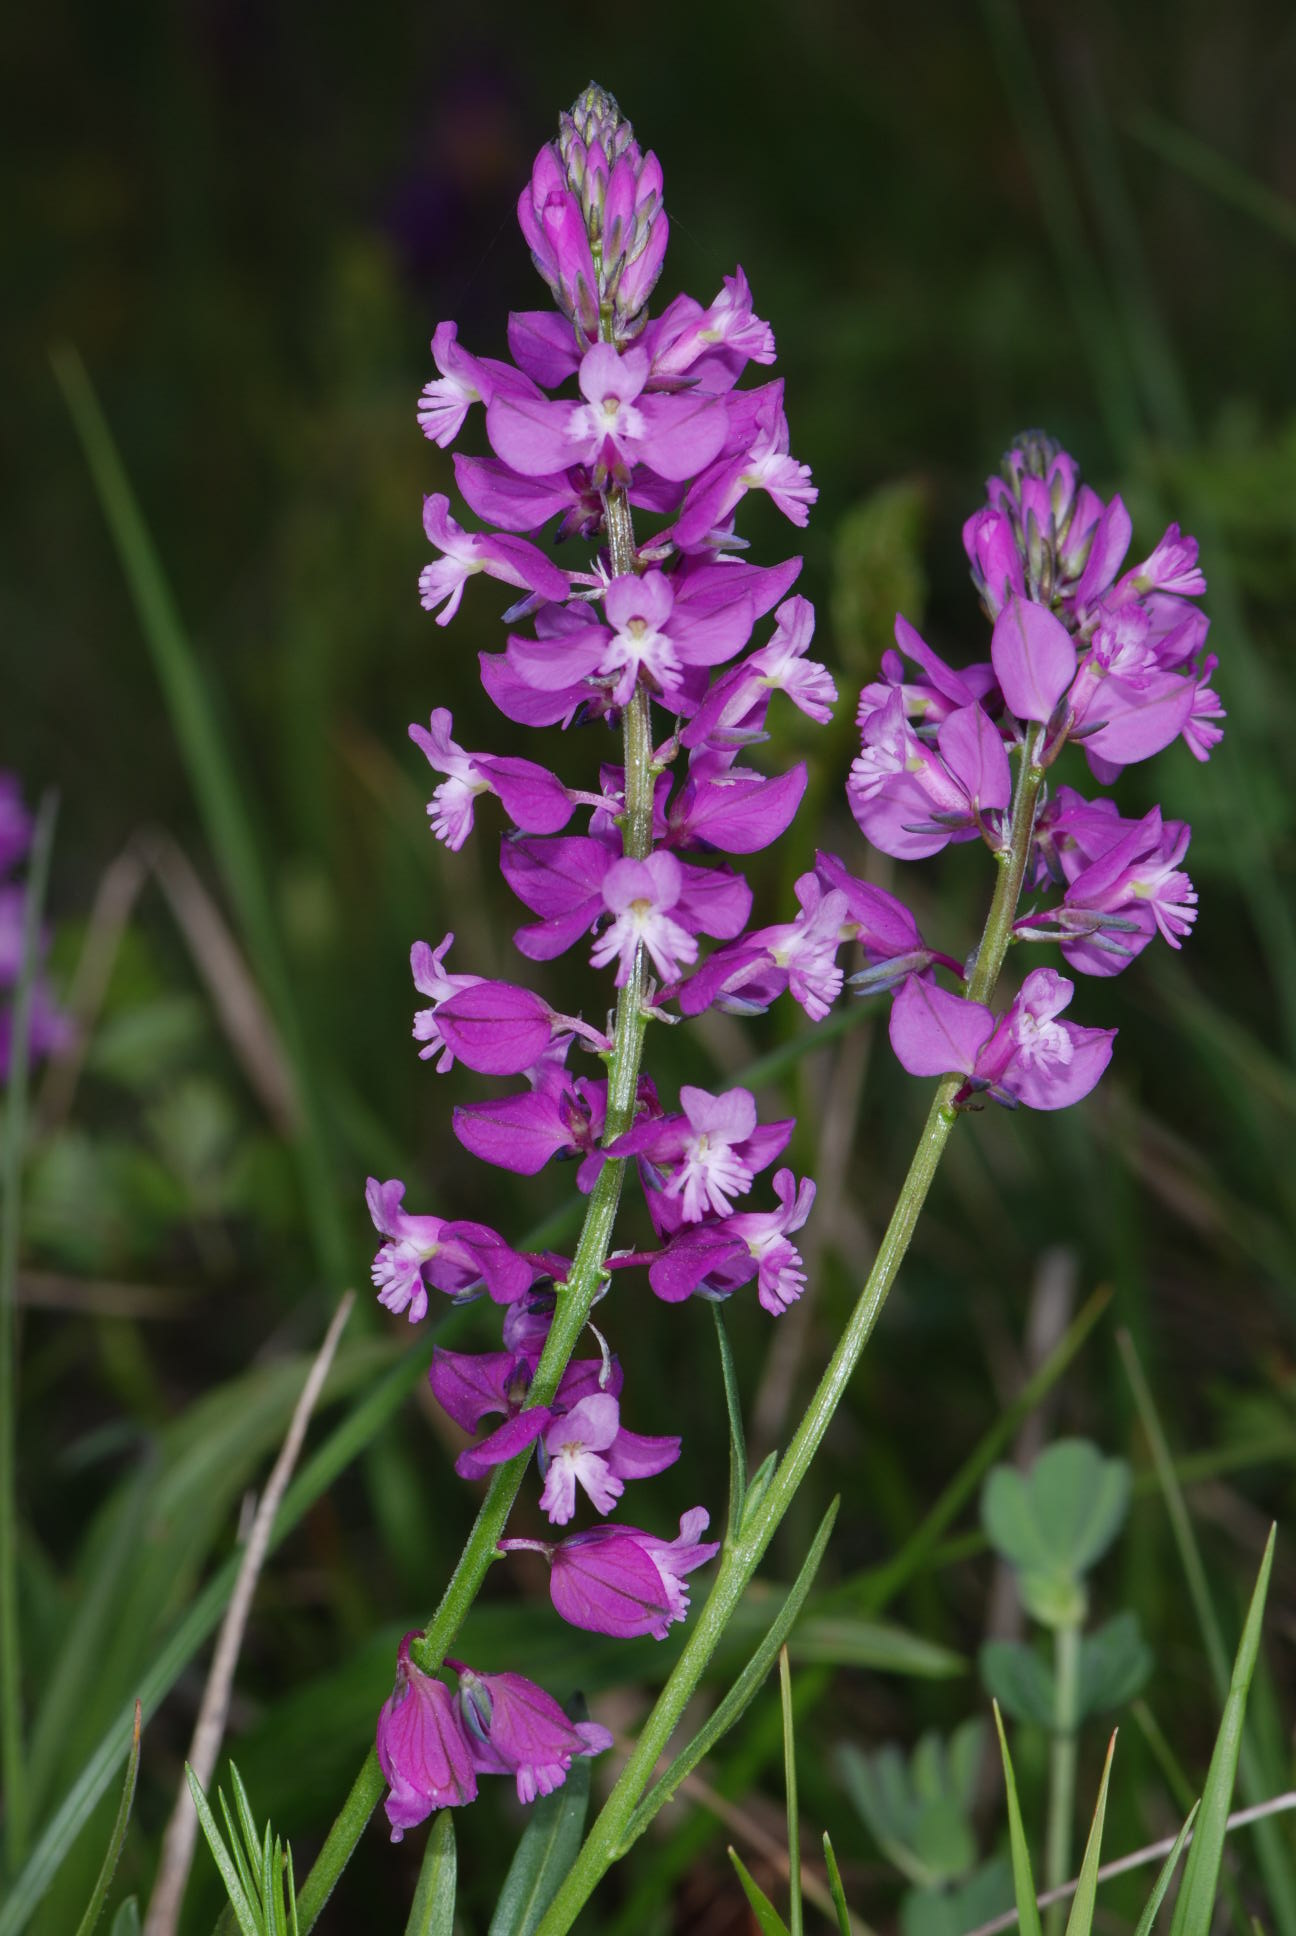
[219, 789]
[757, 1487]
[767, 1916]
[1196, 1901]
[1080, 1921]
[234, 1889]
[432, 1912]
[13, 1760]
[238, 1853]
[743, 1691]
[200, 1621]
[737, 1437]
[836, 1891]
[1162, 1883]
[127, 1920]
[796, 1918]
[1028, 1916]
[546, 1852]
[253, 1841]
[99, 1894]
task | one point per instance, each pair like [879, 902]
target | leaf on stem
[432, 1912]
[796, 1917]
[546, 1852]
[232, 1866]
[836, 1891]
[737, 1438]
[1162, 1883]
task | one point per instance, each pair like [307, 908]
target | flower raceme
[602, 414]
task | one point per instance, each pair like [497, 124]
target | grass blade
[13, 1765]
[836, 1891]
[342, 1446]
[219, 791]
[737, 1438]
[796, 1919]
[1153, 1904]
[1212, 170]
[768, 1920]
[1196, 1902]
[432, 1911]
[546, 1852]
[243, 1910]
[112, 1855]
[1028, 1916]
[740, 1695]
[1080, 1921]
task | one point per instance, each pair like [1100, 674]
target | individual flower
[1026, 1056]
[465, 553]
[588, 1447]
[423, 1750]
[514, 1728]
[423, 1253]
[708, 1155]
[534, 799]
[640, 896]
[621, 1580]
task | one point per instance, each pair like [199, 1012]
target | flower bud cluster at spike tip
[49, 1030]
[602, 419]
[1082, 653]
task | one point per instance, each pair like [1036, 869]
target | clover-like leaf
[1019, 1679]
[1115, 1661]
[1061, 1516]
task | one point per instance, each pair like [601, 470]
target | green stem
[13, 1767]
[746, 1544]
[576, 1298]
[1062, 1768]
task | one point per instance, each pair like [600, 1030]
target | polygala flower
[514, 1728]
[423, 1750]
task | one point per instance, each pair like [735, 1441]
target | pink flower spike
[422, 1749]
[1034, 658]
[639, 894]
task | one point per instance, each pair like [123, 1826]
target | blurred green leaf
[877, 572]
[835, 1889]
[918, 1810]
[1019, 1679]
[1115, 1662]
[1061, 1516]
[548, 1848]
[141, 1046]
[952, 1911]
[127, 1920]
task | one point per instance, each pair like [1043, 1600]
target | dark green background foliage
[961, 220]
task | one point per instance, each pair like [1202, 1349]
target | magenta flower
[423, 1253]
[620, 1580]
[1034, 658]
[640, 895]
[432, 979]
[464, 380]
[710, 347]
[532, 797]
[1124, 885]
[423, 1749]
[720, 1257]
[1026, 1056]
[709, 1154]
[616, 426]
[512, 560]
[514, 1728]
[588, 1447]
[733, 713]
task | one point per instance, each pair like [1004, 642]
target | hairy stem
[576, 1298]
[747, 1543]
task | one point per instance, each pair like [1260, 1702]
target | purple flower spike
[621, 1580]
[514, 1728]
[423, 1749]
[1034, 658]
